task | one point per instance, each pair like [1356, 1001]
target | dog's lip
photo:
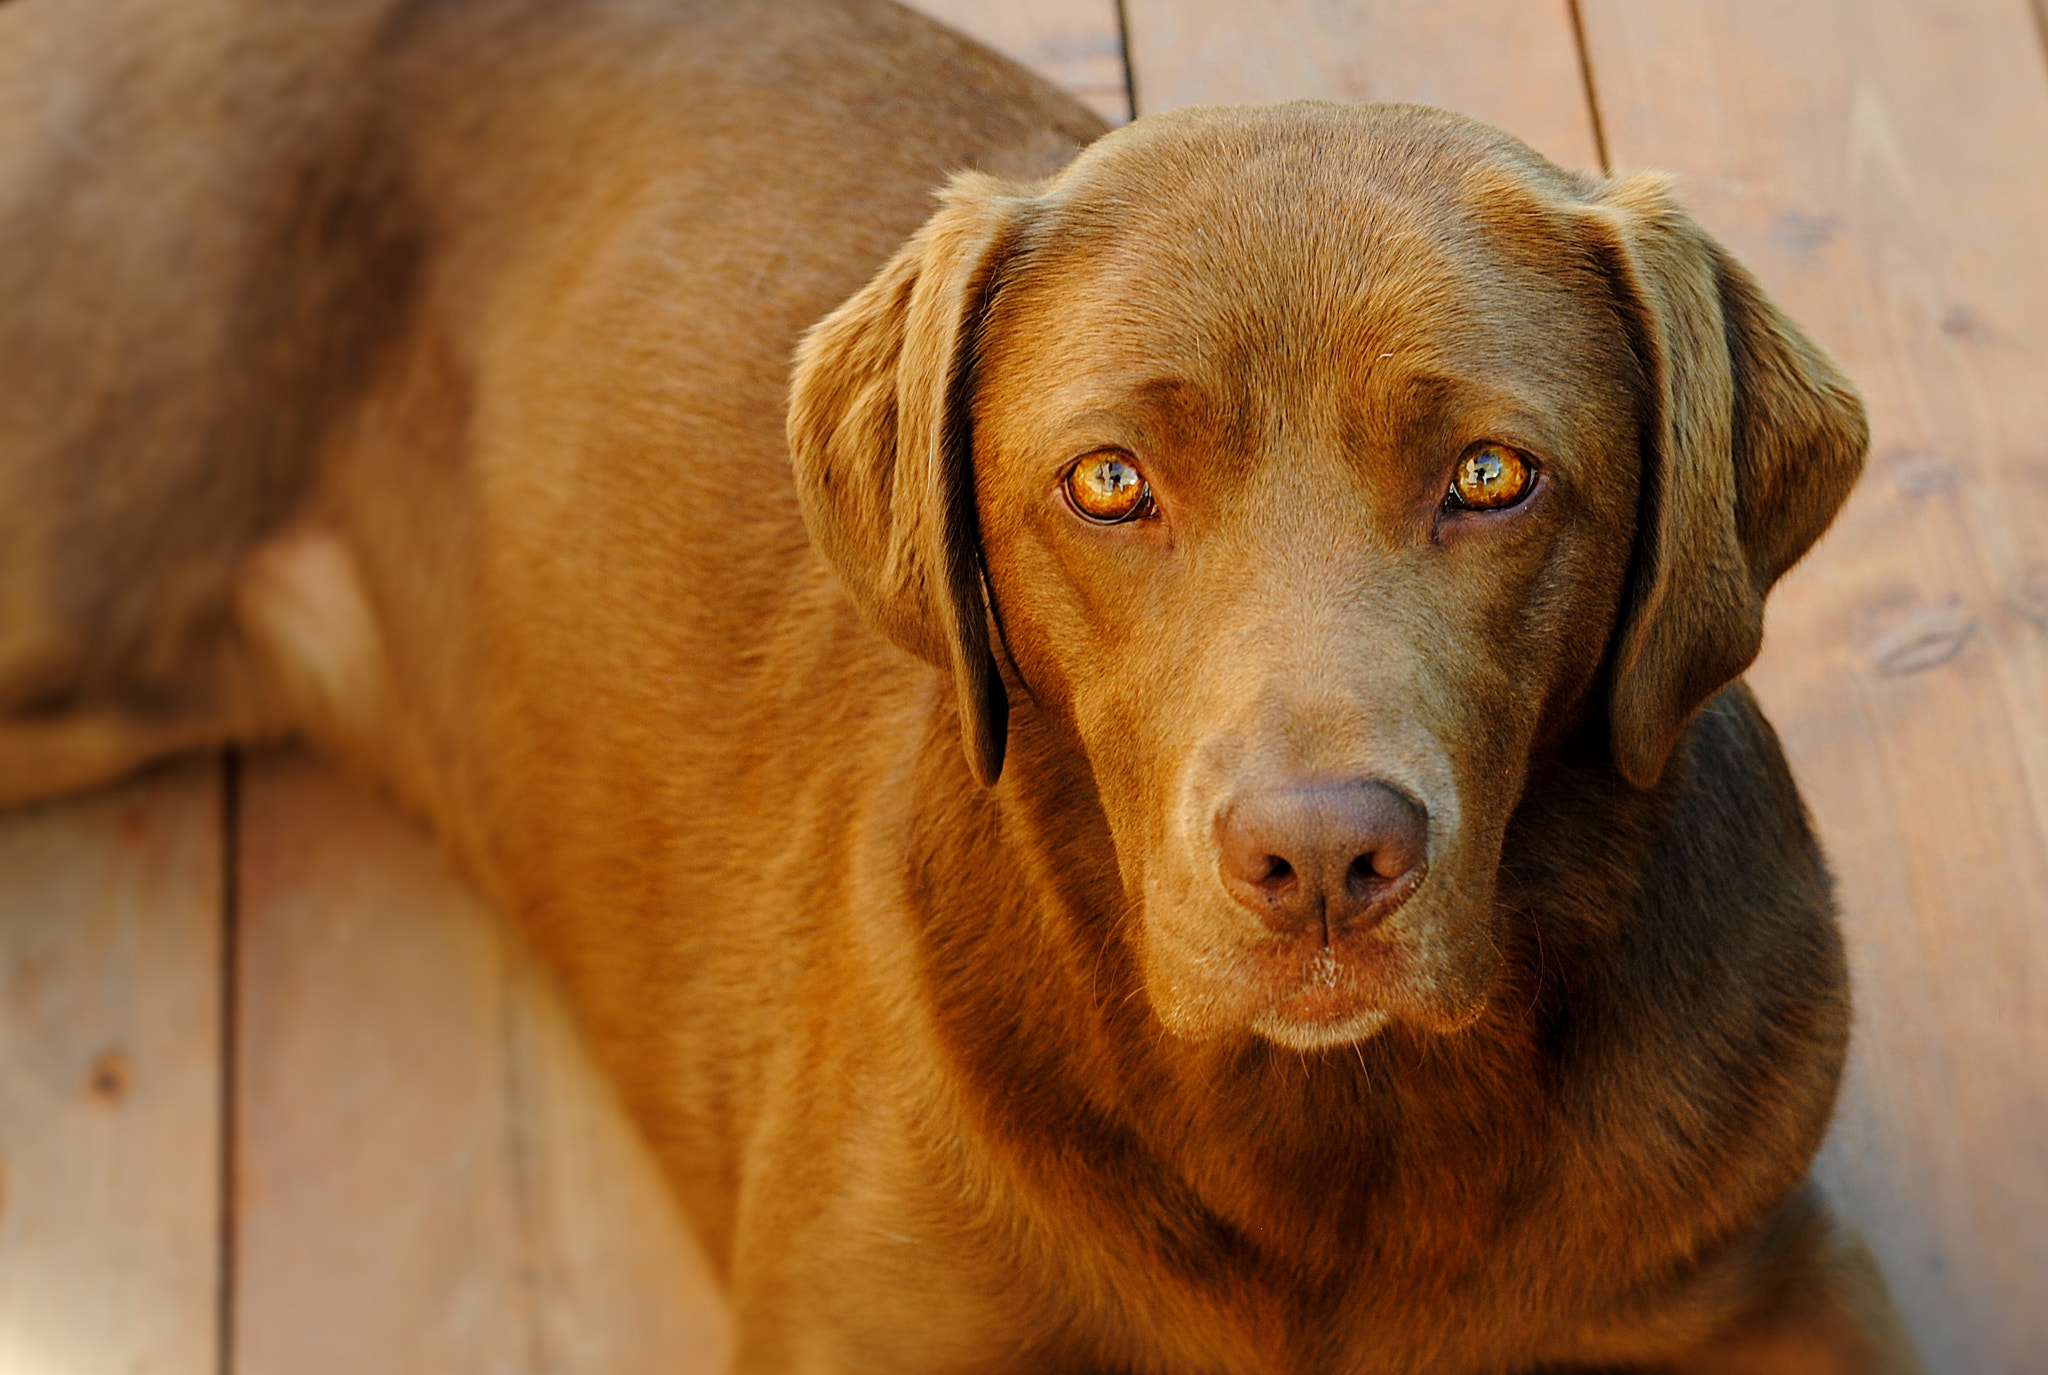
[1301, 980]
[1328, 1003]
[1301, 994]
[1356, 1024]
[1316, 1004]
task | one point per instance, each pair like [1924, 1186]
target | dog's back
[245, 240]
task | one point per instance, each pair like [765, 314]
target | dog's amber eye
[1107, 489]
[1492, 477]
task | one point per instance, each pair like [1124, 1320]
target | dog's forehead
[1256, 182]
[1274, 248]
[1306, 146]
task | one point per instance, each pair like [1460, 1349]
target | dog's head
[1312, 468]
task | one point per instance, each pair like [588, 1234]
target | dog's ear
[1753, 441]
[881, 433]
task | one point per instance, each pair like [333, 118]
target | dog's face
[1319, 462]
[1306, 496]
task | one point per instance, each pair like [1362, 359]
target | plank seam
[230, 1041]
[2038, 7]
[1592, 90]
[1123, 42]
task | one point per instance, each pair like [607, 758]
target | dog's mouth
[1328, 1003]
[1315, 990]
[1423, 958]
[1311, 996]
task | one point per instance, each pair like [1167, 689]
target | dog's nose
[1335, 855]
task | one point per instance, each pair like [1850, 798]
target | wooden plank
[1883, 165]
[1077, 43]
[1511, 63]
[432, 1177]
[110, 1059]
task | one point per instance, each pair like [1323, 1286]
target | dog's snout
[1333, 855]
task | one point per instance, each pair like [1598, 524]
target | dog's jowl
[1172, 795]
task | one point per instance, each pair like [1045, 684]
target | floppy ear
[881, 433]
[1755, 440]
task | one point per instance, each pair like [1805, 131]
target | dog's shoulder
[1695, 989]
[1734, 834]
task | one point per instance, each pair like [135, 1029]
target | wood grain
[1883, 165]
[1077, 43]
[110, 1058]
[432, 1176]
[1511, 63]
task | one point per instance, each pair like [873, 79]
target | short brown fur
[411, 376]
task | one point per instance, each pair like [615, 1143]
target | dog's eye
[1107, 489]
[1491, 477]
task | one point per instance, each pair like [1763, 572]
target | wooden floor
[279, 1097]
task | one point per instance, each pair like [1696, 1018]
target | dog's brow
[1171, 394]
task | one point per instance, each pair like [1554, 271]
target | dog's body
[412, 376]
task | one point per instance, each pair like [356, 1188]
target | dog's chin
[1328, 1009]
[1324, 1000]
[1306, 996]
[1289, 1027]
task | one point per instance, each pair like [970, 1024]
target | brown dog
[1363, 930]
